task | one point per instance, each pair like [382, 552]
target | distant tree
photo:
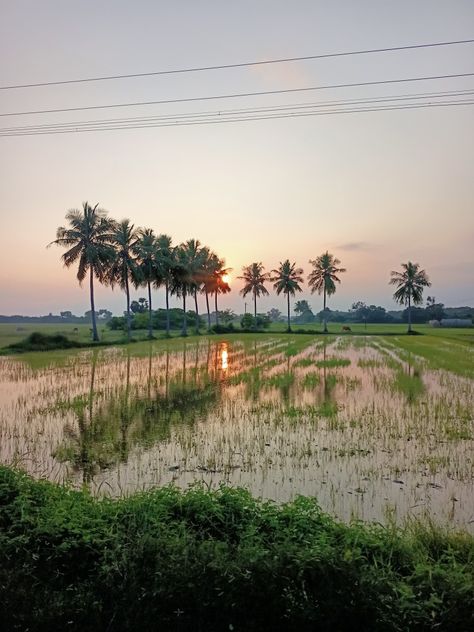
[89, 241]
[139, 307]
[125, 268]
[323, 277]
[195, 257]
[66, 314]
[275, 315]
[287, 279]
[254, 277]
[104, 314]
[410, 283]
[227, 316]
[434, 310]
[304, 312]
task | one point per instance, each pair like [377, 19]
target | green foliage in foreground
[200, 560]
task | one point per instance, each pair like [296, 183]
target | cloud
[355, 246]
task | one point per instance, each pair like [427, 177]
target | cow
[346, 328]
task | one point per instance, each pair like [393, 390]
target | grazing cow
[346, 328]
[75, 330]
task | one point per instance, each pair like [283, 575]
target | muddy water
[370, 433]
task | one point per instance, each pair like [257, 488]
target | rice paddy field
[377, 428]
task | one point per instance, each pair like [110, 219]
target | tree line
[119, 254]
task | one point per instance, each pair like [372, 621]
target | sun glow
[226, 278]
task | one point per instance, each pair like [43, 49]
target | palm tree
[287, 279]
[125, 268]
[195, 256]
[410, 283]
[254, 278]
[323, 277]
[210, 265]
[221, 286]
[164, 274]
[182, 283]
[145, 249]
[89, 240]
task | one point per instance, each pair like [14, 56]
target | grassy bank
[199, 560]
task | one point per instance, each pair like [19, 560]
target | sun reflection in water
[224, 357]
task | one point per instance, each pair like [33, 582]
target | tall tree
[323, 278]
[89, 241]
[182, 283]
[125, 268]
[145, 249]
[209, 279]
[410, 283]
[254, 278]
[287, 279]
[221, 283]
[195, 256]
[165, 259]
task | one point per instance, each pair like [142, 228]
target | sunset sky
[374, 188]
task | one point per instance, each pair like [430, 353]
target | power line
[240, 119]
[238, 65]
[241, 94]
[253, 110]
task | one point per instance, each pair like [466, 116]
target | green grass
[203, 561]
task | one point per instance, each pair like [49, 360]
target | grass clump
[221, 560]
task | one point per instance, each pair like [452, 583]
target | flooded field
[356, 422]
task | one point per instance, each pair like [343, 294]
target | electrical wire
[242, 94]
[238, 65]
[239, 119]
[259, 109]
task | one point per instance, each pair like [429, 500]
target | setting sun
[226, 278]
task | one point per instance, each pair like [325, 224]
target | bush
[37, 341]
[206, 561]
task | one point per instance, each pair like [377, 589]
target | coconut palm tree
[145, 249]
[221, 285]
[210, 263]
[89, 241]
[165, 260]
[287, 279]
[195, 256]
[125, 267]
[323, 278]
[410, 283]
[254, 279]
[182, 283]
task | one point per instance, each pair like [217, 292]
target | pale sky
[374, 188]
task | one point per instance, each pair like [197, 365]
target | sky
[374, 188]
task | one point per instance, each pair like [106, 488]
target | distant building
[452, 322]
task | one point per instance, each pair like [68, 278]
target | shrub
[221, 560]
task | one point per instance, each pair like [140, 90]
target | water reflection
[343, 420]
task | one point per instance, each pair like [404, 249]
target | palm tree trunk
[324, 312]
[184, 331]
[167, 309]
[150, 325]
[208, 312]
[288, 297]
[217, 311]
[409, 314]
[197, 309]
[95, 335]
[255, 304]
[129, 320]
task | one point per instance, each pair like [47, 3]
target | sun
[226, 278]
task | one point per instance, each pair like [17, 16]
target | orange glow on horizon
[226, 278]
